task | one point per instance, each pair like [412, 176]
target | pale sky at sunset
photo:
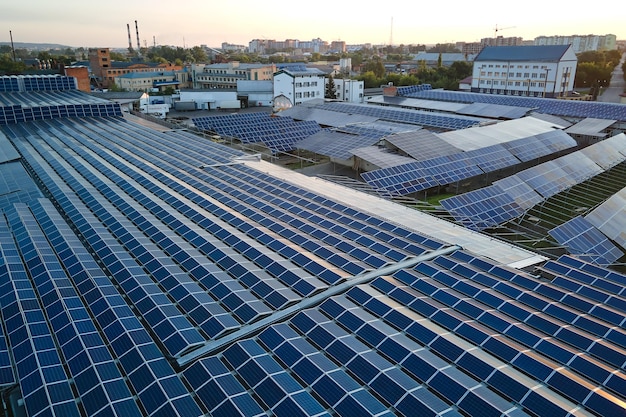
[103, 23]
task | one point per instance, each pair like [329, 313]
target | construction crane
[497, 29]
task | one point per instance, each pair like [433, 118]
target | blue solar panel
[420, 118]
[280, 134]
[483, 208]
[44, 383]
[198, 238]
[581, 237]
[566, 108]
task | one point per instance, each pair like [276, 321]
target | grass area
[434, 199]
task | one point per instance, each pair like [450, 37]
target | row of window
[513, 66]
[307, 94]
[306, 84]
[513, 74]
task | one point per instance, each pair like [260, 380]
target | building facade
[225, 76]
[581, 43]
[349, 90]
[104, 70]
[535, 71]
[150, 81]
[297, 84]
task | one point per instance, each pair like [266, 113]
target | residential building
[231, 47]
[581, 43]
[537, 71]
[432, 59]
[295, 84]
[349, 90]
[502, 41]
[227, 74]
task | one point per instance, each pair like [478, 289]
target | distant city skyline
[193, 23]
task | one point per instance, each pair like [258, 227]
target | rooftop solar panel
[418, 327]
[566, 108]
[582, 238]
[421, 144]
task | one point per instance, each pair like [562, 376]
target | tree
[376, 66]
[199, 55]
[330, 88]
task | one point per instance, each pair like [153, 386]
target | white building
[349, 90]
[536, 71]
[256, 93]
[211, 99]
[581, 43]
[295, 84]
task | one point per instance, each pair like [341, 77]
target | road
[612, 93]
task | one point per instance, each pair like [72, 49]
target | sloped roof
[522, 53]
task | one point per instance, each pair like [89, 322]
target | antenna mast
[391, 33]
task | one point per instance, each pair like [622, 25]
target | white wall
[208, 100]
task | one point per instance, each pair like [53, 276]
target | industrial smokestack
[130, 43]
[137, 30]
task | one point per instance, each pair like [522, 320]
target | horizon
[407, 24]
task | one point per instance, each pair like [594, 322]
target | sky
[191, 23]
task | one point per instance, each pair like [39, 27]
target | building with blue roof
[534, 71]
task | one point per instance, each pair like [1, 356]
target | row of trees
[594, 69]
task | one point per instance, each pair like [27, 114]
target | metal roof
[522, 53]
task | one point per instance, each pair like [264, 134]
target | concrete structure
[537, 71]
[349, 90]
[150, 81]
[581, 43]
[296, 84]
[226, 75]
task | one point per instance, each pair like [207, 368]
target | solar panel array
[147, 286]
[279, 134]
[335, 144]
[18, 114]
[510, 197]
[409, 89]
[421, 144]
[565, 108]
[609, 218]
[37, 83]
[582, 238]
[416, 117]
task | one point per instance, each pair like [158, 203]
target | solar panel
[483, 208]
[582, 238]
[566, 108]
[228, 235]
[492, 158]
[421, 144]
[43, 381]
[547, 179]
[523, 194]
[609, 218]
[280, 134]
[16, 185]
